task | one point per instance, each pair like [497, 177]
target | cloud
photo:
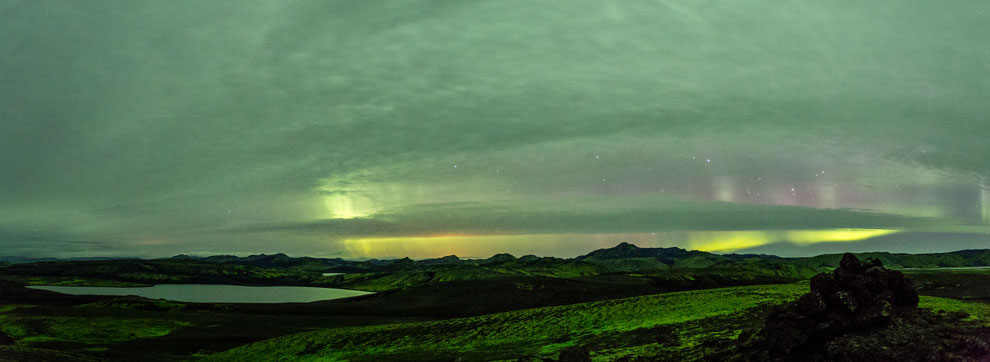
[591, 216]
[157, 120]
[58, 249]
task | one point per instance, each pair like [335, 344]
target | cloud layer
[147, 123]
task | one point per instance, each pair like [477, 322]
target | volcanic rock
[5, 340]
[855, 296]
[862, 311]
[575, 354]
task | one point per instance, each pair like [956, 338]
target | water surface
[214, 293]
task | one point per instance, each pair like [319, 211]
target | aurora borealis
[429, 128]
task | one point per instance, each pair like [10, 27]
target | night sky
[371, 129]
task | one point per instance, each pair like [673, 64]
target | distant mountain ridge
[622, 257]
[627, 250]
[620, 271]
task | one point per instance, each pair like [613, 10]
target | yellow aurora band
[727, 241]
[483, 246]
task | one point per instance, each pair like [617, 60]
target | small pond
[213, 293]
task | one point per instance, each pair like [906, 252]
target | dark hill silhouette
[449, 259]
[622, 257]
[504, 258]
[627, 250]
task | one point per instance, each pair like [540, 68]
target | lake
[213, 293]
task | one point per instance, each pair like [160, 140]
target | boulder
[861, 311]
[855, 296]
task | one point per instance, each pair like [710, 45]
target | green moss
[9, 327]
[13, 330]
[542, 331]
[978, 312]
[551, 348]
[613, 354]
[138, 303]
[679, 325]
[111, 329]
[9, 307]
[30, 329]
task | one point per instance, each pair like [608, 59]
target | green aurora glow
[553, 127]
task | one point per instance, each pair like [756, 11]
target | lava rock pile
[862, 312]
[856, 296]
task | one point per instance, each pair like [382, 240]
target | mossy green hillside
[28, 329]
[671, 324]
[535, 332]
[978, 312]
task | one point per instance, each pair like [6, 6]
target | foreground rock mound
[862, 311]
[855, 296]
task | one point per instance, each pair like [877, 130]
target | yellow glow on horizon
[814, 236]
[726, 240]
[484, 246]
[434, 246]
[735, 240]
[570, 245]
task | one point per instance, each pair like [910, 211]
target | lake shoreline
[214, 293]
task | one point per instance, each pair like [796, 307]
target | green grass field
[696, 324]
[29, 329]
[540, 332]
[675, 324]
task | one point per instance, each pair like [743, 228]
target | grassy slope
[135, 334]
[536, 332]
[83, 329]
[672, 323]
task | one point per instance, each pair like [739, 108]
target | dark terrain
[862, 311]
[36, 322]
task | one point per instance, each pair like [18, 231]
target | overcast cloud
[296, 125]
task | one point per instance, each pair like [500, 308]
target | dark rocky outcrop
[862, 311]
[627, 250]
[499, 259]
[447, 260]
[855, 296]
[5, 339]
[575, 354]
